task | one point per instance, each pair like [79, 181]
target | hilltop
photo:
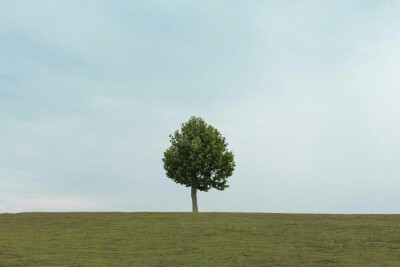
[203, 239]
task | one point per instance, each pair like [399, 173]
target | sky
[307, 94]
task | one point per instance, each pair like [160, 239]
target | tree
[198, 158]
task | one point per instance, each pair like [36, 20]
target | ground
[203, 239]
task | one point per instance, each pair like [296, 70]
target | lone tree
[198, 158]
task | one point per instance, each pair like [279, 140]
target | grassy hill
[203, 239]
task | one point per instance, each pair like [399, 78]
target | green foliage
[198, 156]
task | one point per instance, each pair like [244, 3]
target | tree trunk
[194, 198]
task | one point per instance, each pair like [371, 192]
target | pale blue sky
[306, 93]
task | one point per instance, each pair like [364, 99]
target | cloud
[19, 193]
[56, 204]
[330, 142]
[306, 95]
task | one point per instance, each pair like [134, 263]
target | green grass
[203, 239]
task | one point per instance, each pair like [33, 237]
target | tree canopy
[198, 157]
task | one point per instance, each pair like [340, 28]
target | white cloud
[56, 203]
[19, 193]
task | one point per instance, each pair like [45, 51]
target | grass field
[203, 239]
